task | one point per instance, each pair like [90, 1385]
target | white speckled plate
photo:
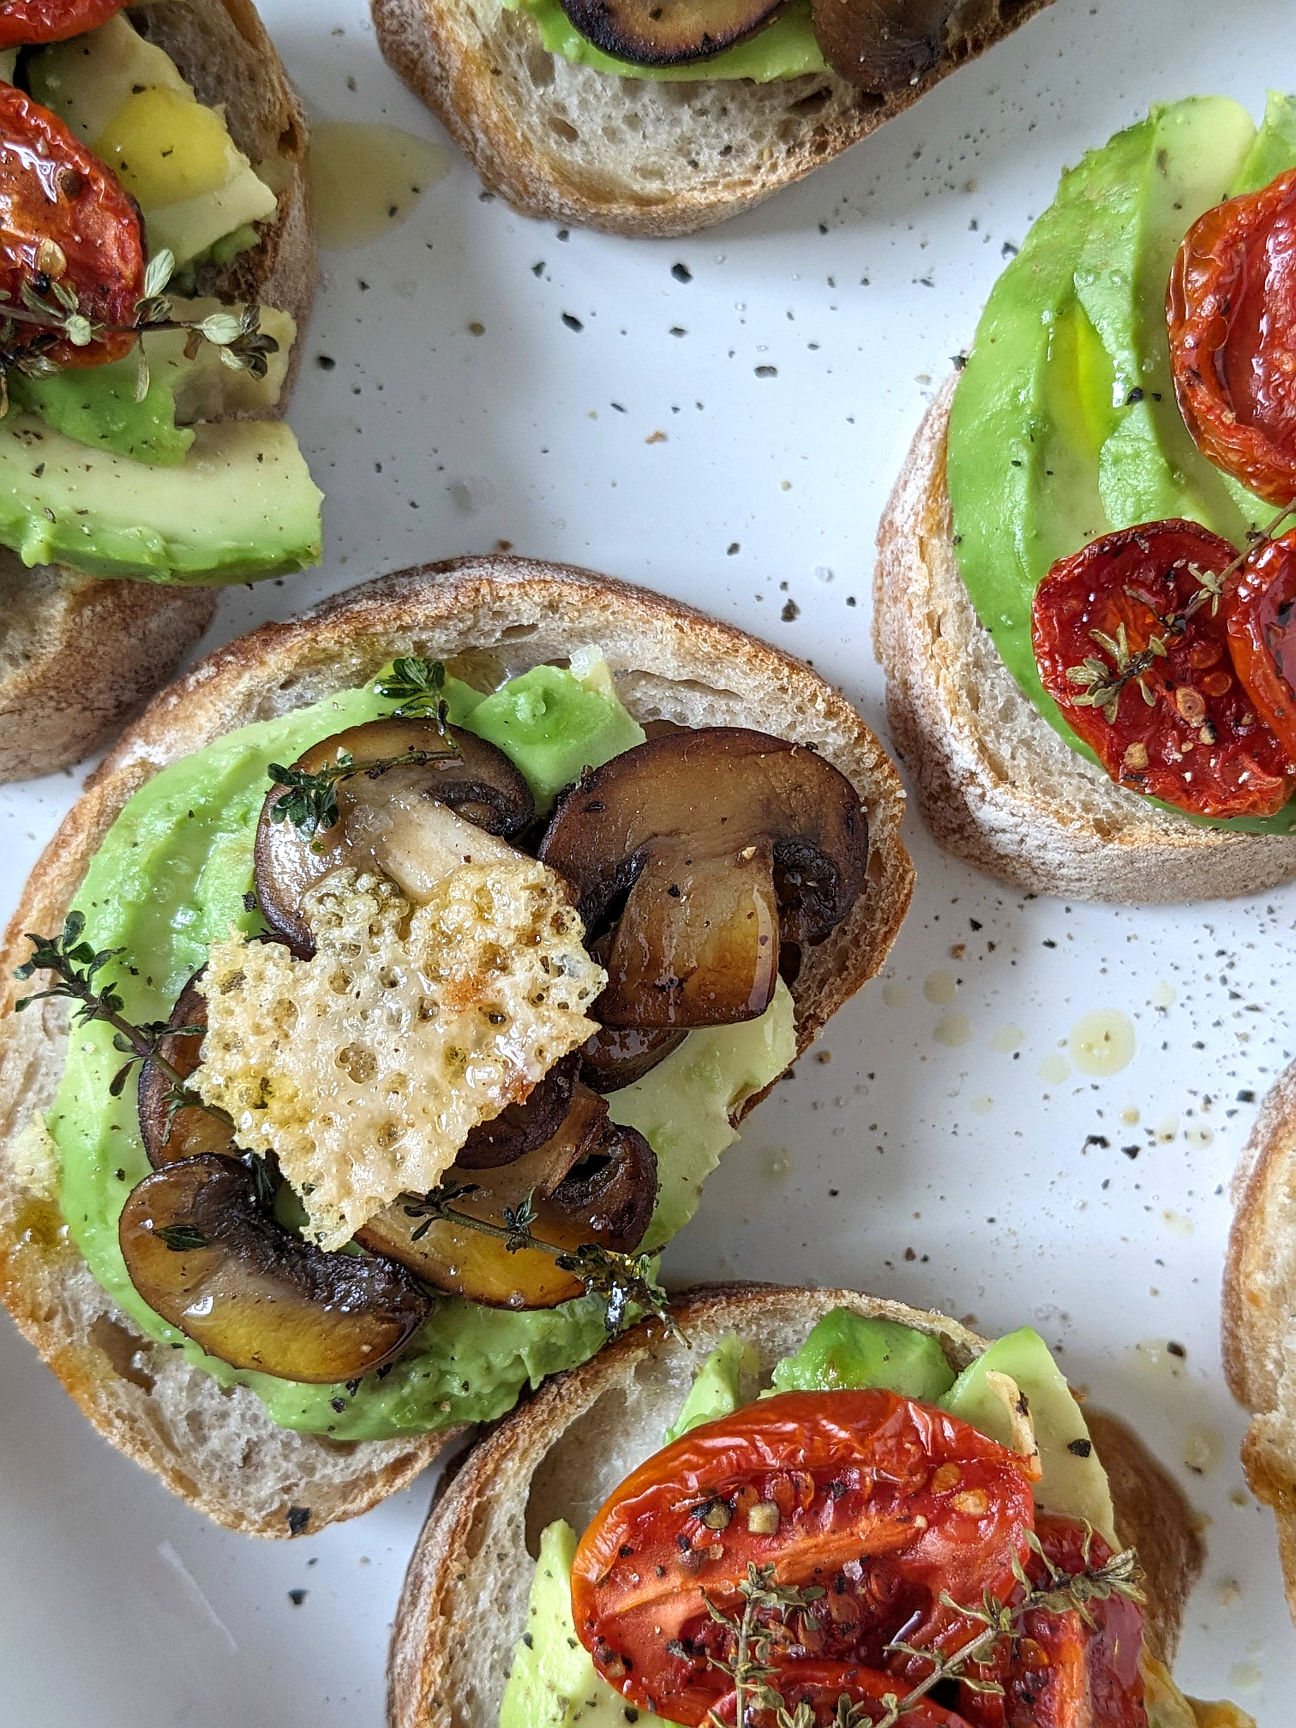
[727, 432]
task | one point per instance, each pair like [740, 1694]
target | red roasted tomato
[1060, 1672]
[1231, 309]
[879, 1501]
[1262, 635]
[822, 1685]
[66, 222]
[1184, 730]
[31, 21]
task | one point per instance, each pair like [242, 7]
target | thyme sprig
[418, 685]
[626, 1282]
[309, 799]
[54, 309]
[77, 969]
[751, 1670]
[1102, 682]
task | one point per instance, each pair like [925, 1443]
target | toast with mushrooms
[447, 1094]
[575, 115]
[57, 702]
[582, 1456]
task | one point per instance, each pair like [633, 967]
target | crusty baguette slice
[562, 1453]
[219, 1450]
[572, 144]
[995, 783]
[1259, 1303]
[79, 653]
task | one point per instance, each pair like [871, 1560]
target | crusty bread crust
[561, 1453]
[510, 106]
[219, 1450]
[995, 783]
[57, 702]
[1259, 1299]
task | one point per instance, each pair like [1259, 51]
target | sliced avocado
[1074, 1481]
[8, 65]
[1274, 150]
[242, 505]
[553, 1683]
[96, 405]
[125, 98]
[848, 1352]
[717, 1386]
[556, 724]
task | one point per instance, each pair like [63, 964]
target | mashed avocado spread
[170, 877]
[784, 49]
[1064, 424]
[553, 1682]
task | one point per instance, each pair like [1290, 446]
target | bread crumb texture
[364, 1068]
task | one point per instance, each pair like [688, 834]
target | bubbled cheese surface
[365, 1067]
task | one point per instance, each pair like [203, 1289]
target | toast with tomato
[808, 1505]
[1259, 1280]
[639, 119]
[133, 476]
[460, 921]
[1087, 569]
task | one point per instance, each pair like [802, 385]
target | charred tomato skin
[882, 1501]
[1187, 732]
[65, 221]
[1262, 635]
[1231, 314]
[24, 23]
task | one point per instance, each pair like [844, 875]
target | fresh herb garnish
[309, 800]
[57, 314]
[418, 686]
[1102, 682]
[181, 1238]
[626, 1282]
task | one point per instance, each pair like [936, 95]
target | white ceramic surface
[730, 439]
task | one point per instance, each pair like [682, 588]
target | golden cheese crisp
[365, 1067]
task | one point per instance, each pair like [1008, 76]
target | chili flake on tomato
[1131, 635]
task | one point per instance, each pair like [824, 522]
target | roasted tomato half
[1262, 635]
[1065, 1669]
[1231, 309]
[32, 21]
[1131, 635]
[876, 1503]
[69, 235]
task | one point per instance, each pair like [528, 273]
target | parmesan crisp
[364, 1068]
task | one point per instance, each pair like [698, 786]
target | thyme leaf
[418, 685]
[181, 1238]
[309, 799]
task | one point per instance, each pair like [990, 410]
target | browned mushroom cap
[702, 852]
[881, 45]
[394, 821]
[520, 1128]
[170, 1134]
[669, 32]
[203, 1255]
[617, 1056]
[594, 1182]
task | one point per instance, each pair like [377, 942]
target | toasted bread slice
[637, 156]
[1259, 1302]
[79, 653]
[562, 1453]
[995, 783]
[217, 1449]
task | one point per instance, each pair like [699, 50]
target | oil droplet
[1199, 1136]
[1164, 995]
[1228, 1592]
[1101, 1043]
[895, 994]
[1179, 1223]
[1007, 1039]
[1246, 1676]
[1054, 1069]
[778, 1166]
[1167, 1130]
[953, 1030]
[940, 988]
[1130, 1116]
[982, 1105]
[1157, 1360]
[367, 179]
[1202, 1451]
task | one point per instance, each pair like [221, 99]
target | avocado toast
[179, 799]
[1062, 432]
[129, 509]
